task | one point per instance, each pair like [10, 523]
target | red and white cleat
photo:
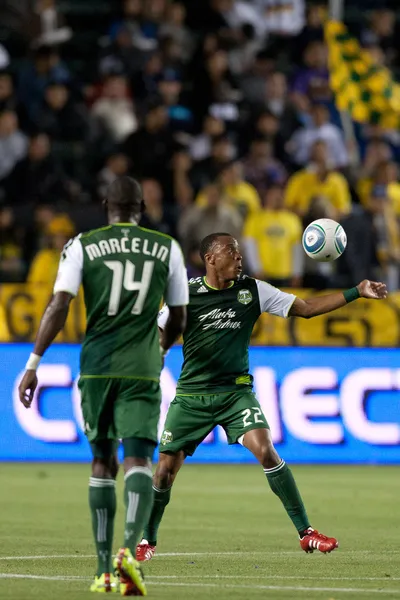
[313, 540]
[145, 551]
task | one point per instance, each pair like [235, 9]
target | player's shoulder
[158, 234]
[196, 284]
[246, 280]
[92, 232]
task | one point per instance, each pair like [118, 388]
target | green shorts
[191, 418]
[120, 408]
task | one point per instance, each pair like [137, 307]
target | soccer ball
[324, 240]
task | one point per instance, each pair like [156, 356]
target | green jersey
[218, 331]
[125, 271]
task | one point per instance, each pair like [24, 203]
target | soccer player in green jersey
[125, 271]
[215, 387]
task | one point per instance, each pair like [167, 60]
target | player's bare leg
[167, 469]
[282, 483]
[102, 501]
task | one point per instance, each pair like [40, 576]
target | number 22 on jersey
[124, 277]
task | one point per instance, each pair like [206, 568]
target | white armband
[33, 362]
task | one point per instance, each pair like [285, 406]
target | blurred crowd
[223, 110]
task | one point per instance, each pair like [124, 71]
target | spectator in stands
[157, 215]
[35, 76]
[210, 215]
[201, 144]
[386, 177]
[35, 230]
[181, 188]
[153, 17]
[4, 58]
[319, 128]
[37, 179]
[229, 16]
[313, 30]
[7, 96]
[150, 147]
[60, 117]
[173, 27]
[116, 166]
[169, 89]
[381, 32]
[252, 81]
[48, 25]
[11, 256]
[387, 233]
[272, 241]
[311, 82]
[267, 125]
[145, 81]
[215, 86]
[376, 152]
[171, 54]
[277, 102]
[45, 264]
[133, 23]
[318, 179]
[261, 169]
[359, 261]
[13, 143]
[114, 110]
[282, 18]
[206, 170]
[236, 192]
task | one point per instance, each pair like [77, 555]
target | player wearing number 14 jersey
[125, 272]
[215, 387]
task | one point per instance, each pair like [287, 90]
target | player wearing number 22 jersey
[125, 272]
[215, 387]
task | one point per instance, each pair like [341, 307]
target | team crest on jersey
[244, 296]
[166, 437]
[202, 289]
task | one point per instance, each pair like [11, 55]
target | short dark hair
[125, 193]
[208, 242]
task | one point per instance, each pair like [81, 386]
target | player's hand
[27, 388]
[372, 289]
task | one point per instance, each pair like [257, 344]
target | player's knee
[268, 456]
[101, 468]
[163, 477]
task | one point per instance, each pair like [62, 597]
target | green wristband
[351, 294]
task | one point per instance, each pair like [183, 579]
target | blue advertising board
[330, 405]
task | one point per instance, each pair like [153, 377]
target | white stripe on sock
[99, 482]
[156, 489]
[142, 470]
[274, 469]
[133, 504]
[101, 524]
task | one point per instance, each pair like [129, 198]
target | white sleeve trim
[69, 276]
[163, 317]
[177, 292]
[274, 301]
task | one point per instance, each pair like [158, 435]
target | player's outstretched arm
[312, 307]
[51, 324]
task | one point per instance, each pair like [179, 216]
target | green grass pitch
[224, 536]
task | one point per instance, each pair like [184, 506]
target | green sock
[161, 499]
[282, 483]
[103, 505]
[138, 502]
